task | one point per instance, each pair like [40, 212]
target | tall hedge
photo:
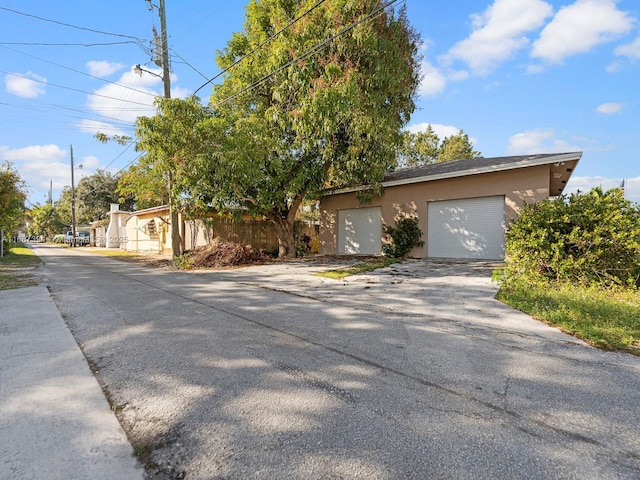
[582, 238]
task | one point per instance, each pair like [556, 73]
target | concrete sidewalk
[55, 422]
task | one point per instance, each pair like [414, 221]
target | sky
[518, 76]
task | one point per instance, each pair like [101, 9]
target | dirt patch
[222, 254]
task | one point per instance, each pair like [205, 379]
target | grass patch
[364, 267]
[604, 318]
[15, 266]
[116, 252]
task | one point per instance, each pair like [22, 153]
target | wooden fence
[260, 234]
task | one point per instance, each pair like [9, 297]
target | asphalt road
[416, 373]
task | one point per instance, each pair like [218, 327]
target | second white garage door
[360, 231]
[466, 228]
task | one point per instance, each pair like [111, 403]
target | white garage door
[360, 231]
[466, 228]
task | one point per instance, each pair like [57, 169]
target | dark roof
[561, 168]
[468, 166]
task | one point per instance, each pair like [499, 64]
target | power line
[99, 116]
[115, 174]
[46, 44]
[294, 21]
[77, 71]
[189, 65]
[75, 89]
[307, 53]
[69, 24]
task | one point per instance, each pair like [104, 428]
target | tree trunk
[176, 243]
[286, 240]
[285, 228]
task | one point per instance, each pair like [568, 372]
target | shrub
[404, 237]
[591, 238]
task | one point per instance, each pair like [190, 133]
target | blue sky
[518, 76]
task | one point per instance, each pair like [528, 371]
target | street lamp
[138, 70]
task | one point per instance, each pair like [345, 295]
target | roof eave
[533, 162]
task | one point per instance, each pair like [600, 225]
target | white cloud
[34, 152]
[28, 85]
[90, 162]
[498, 33]
[179, 92]
[94, 126]
[103, 68]
[535, 69]
[39, 164]
[433, 81]
[539, 141]
[120, 105]
[584, 184]
[631, 50]
[609, 108]
[580, 27]
[614, 67]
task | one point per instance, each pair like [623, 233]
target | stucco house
[463, 207]
[149, 230]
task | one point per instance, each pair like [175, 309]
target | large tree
[172, 141]
[45, 221]
[94, 194]
[319, 105]
[13, 194]
[426, 147]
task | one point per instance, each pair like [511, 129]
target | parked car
[82, 238]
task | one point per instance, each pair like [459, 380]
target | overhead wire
[70, 25]
[293, 22]
[47, 44]
[76, 90]
[300, 57]
[307, 53]
[77, 71]
[189, 65]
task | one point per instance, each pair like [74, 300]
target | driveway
[410, 372]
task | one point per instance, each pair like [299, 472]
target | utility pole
[162, 59]
[73, 204]
[165, 51]
[176, 241]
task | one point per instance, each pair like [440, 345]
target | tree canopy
[45, 221]
[426, 147]
[94, 194]
[319, 105]
[13, 194]
[174, 142]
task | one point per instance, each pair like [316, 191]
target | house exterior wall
[148, 232]
[115, 234]
[529, 184]
[99, 236]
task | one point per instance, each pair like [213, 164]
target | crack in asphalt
[359, 359]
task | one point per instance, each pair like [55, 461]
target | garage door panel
[360, 231]
[466, 228]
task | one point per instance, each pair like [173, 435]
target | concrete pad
[55, 422]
